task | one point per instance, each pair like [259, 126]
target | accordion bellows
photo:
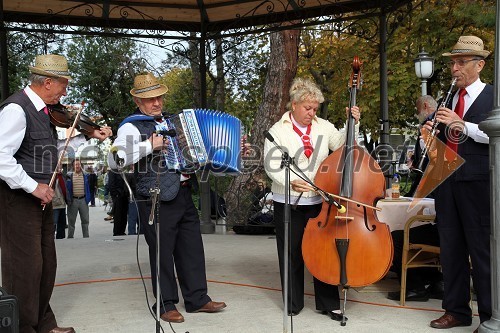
[204, 139]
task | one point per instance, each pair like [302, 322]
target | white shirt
[128, 146]
[471, 129]
[13, 129]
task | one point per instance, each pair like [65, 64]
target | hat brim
[38, 71]
[483, 54]
[157, 91]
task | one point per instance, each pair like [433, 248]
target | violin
[64, 116]
[349, 247]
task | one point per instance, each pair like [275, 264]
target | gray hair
[426, 99]
[304, 90]
[37, 79]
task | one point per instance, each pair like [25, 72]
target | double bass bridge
[345, 218]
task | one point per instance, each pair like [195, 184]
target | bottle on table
[395, 186]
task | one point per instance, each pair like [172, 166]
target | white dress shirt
[128, 146]
[472, 130]
[13, 125]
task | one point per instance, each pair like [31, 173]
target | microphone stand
[155, 212]
[287, 162]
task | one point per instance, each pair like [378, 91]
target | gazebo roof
[203, 16]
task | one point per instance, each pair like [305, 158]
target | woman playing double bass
[308, 139]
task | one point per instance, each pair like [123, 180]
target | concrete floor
[99, 289]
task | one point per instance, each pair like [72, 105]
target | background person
[288, 132]
[92, 185]
[426, 282]
[78, 199]
[59, 206]
[426, 106]
[119, 196]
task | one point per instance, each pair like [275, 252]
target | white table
[395, 212]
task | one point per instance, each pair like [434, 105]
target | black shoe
[436, 290]
[411, 295]
[333, 315]
[293, 313]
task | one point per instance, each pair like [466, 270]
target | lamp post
[424, 68]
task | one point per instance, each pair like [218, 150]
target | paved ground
[99, 289]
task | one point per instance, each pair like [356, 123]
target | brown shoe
[172, 316]
[447, 321]
[62, 330]
[211, 307]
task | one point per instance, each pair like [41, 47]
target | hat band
[57, 72]
[465, 51]
[138, 91]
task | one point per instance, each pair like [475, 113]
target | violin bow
[59, 161]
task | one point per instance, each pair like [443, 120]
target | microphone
[268, 136]
[118, 160]
[171, 132]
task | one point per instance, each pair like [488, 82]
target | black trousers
[417, 278]
[181, 247]
[463, 214]
[326, 296]
[29, 259]
[120, 207]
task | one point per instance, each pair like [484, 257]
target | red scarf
[306, 139]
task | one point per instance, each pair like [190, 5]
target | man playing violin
[28, 158]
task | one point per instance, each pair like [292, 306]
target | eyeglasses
[461, 62]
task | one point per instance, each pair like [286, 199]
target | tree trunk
[281, 69]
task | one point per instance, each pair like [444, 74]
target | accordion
[205, 139]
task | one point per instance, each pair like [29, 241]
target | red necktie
[453, 135]
[306, 139]
[46, 110]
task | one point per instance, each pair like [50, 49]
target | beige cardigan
[324, 137]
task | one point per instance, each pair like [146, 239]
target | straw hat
[52, 65]
[147, 86]
[468, 45]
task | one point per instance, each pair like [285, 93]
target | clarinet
[435, 123]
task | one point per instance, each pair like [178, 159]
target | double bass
[351, 248]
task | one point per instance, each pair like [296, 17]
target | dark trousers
[181, 246]
[60, 222]
[92, 197]
[29, 259]
[417, 278]
[463, 213]
[120, 213]
[326, 295]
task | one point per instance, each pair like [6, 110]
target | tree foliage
[434, 25]
[103, 73]
[21, 52]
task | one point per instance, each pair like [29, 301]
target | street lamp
[424, 68]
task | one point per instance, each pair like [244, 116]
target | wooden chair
[417, 255]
